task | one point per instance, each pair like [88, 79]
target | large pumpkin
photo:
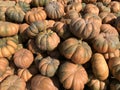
[99, 66]
[23, 58]
[13, 82]
[76, 50]
[85, 29]
[47, 40]
[35, 14]
[72, 76]
[8, 29]
[40, 82]
[48, 66]
[54, 10]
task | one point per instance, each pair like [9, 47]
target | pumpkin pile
[59, 45]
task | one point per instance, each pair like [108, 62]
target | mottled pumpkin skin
[40, 82]
[40, 3]
[23, 58]
[13, 82]
[35, 28]
[54, 10]
[62, 30]
[114, 66]
[99, 66]
[35, 14]
[85, 29]
[71, 14]
[15, 14]
[115, 85]
[76, 50]
[73, 76]
[47, 40]
[8, 29]
[3, 65]
[48, 66]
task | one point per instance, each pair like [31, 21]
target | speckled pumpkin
[76, 50]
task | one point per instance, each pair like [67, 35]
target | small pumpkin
[99, 66]
[54, 10]
[23, 58]
[35, 14]
[76, 50]
[48, 66]
[15, 14]
[8, 28]
[72, 76]
[47, 40]
[114, 66]
[24, 74]
[40, 82]
[13, 82]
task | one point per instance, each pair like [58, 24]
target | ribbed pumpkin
[24, 74]
[89, 1]
[62, 30]
[8, 29]
[114, 66]
[35, 14]
[15, 14]
[54, 10]
[115, 85]
[48, 66]
[72, 76]
[3, 65]
[99, 66]
[40, 82]
[105, 1]
[85, 29]
[13, 82]
[47, 40]
[27, 1]
[23, 58]
[76, 50]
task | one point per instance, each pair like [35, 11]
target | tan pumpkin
[23, 58]
[47, 40]
[114, 66]
[72, 76]
[99, 66]
[13, 82]
[35, 14]
[48, 66]
[77, 51]
[40, 82]
[24, 74]
[54, 10]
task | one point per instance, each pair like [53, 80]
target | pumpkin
[8, 28]
[35, 14]
[106, 2]
[62, 30]
[115, 85]
[89, 1]
[3, 65]
[7, 47]
[114, 65]
[13, 82]
[85, 29]
[40, 3]
[35, 28]
[47, 40]
[74, 6]
[23, 58]
[2, 13]
[24, 5]
[72, 76]
[107, 18]
[24, 74]
[7, 3]
[63, 2]
[54, 10]
[91, 8]
[77, 51]
[40, 82]
[27, 1]
[48, 66]
[15, 14]
[99, 66]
